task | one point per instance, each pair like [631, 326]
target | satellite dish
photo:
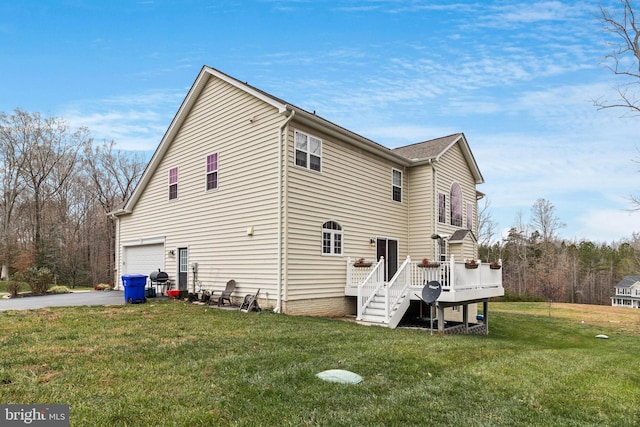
[431, 291]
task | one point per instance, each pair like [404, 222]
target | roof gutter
[281, 161]
[359, 141]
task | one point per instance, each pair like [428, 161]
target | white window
[308, 151]
[331, 238]
[212, 171]
[173, 183]
[396, 185]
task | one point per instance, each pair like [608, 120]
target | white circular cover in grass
[605, 337]
[339, 376]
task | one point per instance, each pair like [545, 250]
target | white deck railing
[459, 282]
[452, 275]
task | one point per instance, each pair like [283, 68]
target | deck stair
[386, 303]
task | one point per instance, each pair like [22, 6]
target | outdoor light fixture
[172, 252]
[439, 237]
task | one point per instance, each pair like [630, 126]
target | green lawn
[171, 363]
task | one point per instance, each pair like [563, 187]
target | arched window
[455, 200]
[331, 238]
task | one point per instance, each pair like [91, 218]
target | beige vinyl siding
[422, 214]
[213, 224]
[452, 167]
[353, 189]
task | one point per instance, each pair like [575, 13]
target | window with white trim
[455, 199]
[173, 183]
[331, 238]
[212, 171]
[442, 208]
[396, 184]
[308, 151]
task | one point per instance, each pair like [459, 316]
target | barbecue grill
[158, 280]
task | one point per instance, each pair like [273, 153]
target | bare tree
[50, 152]
[544, 220]
[113, 175]
[624, 59]
[486, 225]
[12, 147]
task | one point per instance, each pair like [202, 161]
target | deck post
[485, 311]
[440, 318]
[465, 317]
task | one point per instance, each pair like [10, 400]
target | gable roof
[628, 281]
[459, 235]
[433, 149]
[402, 155]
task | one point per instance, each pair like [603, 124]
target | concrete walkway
[63, 300]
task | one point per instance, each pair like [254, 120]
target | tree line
[538, 265]
[57, 186]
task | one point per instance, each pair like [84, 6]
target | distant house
[627, 292]
[246, 186]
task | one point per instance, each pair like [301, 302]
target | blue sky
[517, 77]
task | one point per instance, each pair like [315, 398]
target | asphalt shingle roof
[427, 149]
[628, 281]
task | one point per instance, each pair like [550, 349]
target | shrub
[103, 287]
[59, 290]
[13, 287]
[38, 279]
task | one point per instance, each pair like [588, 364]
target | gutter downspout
[281, 161]
[436, 202]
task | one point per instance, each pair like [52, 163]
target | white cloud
[135, 122]
[608, 225]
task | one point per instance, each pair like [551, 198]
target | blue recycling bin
[134, 285]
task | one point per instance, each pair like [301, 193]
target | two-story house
[246, 186]
[627, 292]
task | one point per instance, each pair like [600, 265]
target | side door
[183, 268]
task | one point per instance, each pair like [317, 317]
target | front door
[183, 268]
[388, 248]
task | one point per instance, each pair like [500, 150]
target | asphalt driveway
[63, 300]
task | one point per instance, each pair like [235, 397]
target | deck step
[372, 318]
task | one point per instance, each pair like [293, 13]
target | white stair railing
[396, 291]
[368, 289]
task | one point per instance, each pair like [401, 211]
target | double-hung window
[396, 185]
[173, 183]
[212, 171]
[308, 151]
[331, 238]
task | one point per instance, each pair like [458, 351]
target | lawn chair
[250, 303]
[225, 295]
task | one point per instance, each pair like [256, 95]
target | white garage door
[143, 259]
